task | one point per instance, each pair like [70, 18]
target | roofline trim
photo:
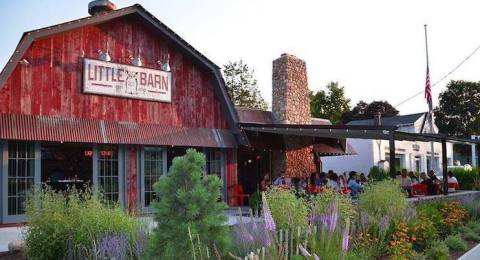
[29, 37]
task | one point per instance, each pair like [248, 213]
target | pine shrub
[188, 200]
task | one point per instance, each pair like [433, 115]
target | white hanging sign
[114, 79]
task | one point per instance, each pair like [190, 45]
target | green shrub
[288, 211]
[474, 225]
[188, 200]
[462, 229]
[255, 201]
[418, 256]
[456, 243]
[432, 212]
[424, 231]
[471, 236]
[377, 174]
[321, 203]
[437, 251]
[465, 178]
[83, 221]
[383, 198]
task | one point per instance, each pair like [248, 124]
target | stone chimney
[100, 6]
[291, 105]
[377, 119]
[290, 101]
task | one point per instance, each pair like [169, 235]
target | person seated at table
[413, 177]
[319, 180]
[299, 184]
[353, 184]
[280, 180]
[398, 174]
[436, 181]
[363, 179]
[431, 175]
[451, 179]
[332, 181]
[429, 182]
[265, 183]
[406, 183]
[311, 187]
[342, 183]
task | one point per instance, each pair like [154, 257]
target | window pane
[12, 206]
[108, 172]
[153, 168]
[12, 168]
[21, 159]
[21, 205]
[12, 186]
[21, 168]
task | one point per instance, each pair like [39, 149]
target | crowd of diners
[353, 183]
[425, 183]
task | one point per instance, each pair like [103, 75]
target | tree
[364, 110]
[458, 111]
[330, 104]
[357, 113]
[188, 200]
[242, 85]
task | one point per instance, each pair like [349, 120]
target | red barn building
[109, 100]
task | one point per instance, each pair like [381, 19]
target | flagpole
[430, 107]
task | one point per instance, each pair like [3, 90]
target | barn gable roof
[29, 37]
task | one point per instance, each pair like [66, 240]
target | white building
[415, 156]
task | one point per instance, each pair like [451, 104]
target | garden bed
[457, 254]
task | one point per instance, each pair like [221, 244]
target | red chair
[419, 190]
[453, 186]
[236, 196]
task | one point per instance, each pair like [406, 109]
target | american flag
[428, 90]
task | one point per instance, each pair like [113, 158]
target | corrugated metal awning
[61, 129]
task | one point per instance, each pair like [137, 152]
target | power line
[442, 78]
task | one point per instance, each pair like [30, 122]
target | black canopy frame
[389, 133]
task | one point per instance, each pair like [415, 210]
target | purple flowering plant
[114, 246]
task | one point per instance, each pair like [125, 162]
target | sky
[374, 48]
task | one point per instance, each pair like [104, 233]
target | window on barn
[108, 173]
[154, 166]
[21, 175]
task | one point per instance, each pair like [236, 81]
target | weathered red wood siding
[51, 83]
[131, 155]
[232, 177]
